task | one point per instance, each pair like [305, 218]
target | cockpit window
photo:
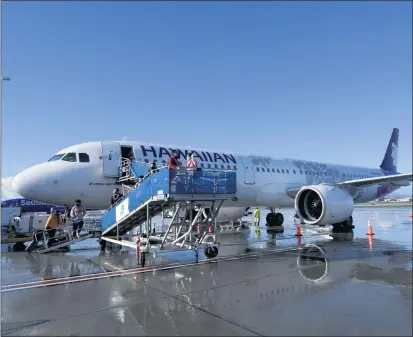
[70, 157]
[83, 157]
[56, 157]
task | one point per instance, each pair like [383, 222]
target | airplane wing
[396, 179]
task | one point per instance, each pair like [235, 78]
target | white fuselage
[262, 181]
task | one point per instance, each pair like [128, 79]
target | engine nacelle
[323, 205]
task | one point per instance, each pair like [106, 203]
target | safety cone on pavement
[210, 229]
[411, 214]
[370, 237]
[298, 231]
[369, 228]
[199, 228]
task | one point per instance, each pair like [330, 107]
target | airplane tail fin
[389, 162]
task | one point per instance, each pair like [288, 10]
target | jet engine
[323, 205]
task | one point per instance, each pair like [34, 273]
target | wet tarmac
[259, 285]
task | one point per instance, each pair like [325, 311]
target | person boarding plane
[322, 194]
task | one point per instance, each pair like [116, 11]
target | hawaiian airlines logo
[394, 150]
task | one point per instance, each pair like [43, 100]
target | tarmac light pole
[2, 78]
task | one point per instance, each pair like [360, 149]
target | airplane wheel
[343, 227]
[279, 218]
[274, 219]
[271, 220]
[113, 247]
[19, 247]
[102, 244]
[211, 251]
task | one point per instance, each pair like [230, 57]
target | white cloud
[7, 191]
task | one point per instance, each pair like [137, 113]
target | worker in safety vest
[257, 217]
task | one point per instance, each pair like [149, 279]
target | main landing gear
[275, 221]
[343, 227]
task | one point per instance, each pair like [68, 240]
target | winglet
[389, 162]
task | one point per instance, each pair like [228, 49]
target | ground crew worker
[257, 217]
[53, 221]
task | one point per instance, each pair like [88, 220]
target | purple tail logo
[389, 162]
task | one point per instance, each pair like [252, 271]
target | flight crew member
[116, 196]
[77, 213]
[257, 217]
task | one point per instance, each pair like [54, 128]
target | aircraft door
[111, 159]
[249, 174]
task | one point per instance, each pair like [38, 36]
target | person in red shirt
[173, 161]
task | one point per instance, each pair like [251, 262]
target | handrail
[180, 172]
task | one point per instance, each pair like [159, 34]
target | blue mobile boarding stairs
[164, 189]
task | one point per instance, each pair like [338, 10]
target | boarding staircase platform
[166, 188]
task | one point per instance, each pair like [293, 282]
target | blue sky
[323, 81]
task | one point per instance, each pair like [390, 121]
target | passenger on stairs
[53, 221]
[173, 161]
[116, 196]
[77, 213]
[191, 164]
[140, 179]
[152, 168]
[67, 214]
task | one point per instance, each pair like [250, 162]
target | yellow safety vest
[257, 213]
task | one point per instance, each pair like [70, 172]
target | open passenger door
[111, 159]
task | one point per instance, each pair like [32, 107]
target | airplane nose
[24, 183]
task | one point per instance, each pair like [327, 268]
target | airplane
[322, 194]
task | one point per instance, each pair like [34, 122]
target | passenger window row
[347, 176]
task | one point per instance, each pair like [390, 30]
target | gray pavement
[339, 287]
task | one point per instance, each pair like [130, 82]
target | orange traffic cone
[369, 228]
[370, 243]
[411, 214]
[210, 229]
[199, 228]
[298, 231]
